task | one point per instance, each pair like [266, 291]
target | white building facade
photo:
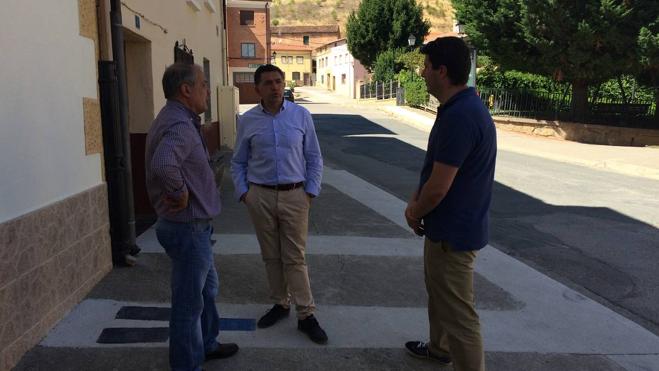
[337, 70]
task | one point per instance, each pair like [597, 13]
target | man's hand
[243, 197]
[176, 205]
[412, 221]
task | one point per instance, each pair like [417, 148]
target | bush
[610, 90]
[416, 93]
[386, 65]
[412, 61]
[491, 77]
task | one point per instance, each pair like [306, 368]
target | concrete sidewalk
[634, 161]
[366, 271]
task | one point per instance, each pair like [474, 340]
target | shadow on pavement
[596, 250]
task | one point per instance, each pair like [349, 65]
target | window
[243, 77]
[305, 40]
[299, 60]
[296, 76]
[284, 60]
[208, 115]
[322, 79]
[247, 50]
[343, 79]
[246, 17]
[290, 60]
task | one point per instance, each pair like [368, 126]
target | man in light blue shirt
[277, 169]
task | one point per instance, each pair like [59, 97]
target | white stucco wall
[47, 69]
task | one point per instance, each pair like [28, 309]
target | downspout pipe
[128, 246]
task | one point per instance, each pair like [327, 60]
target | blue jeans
[194, 323]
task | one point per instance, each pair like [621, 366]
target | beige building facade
[295, 62]
[156, 35]
[300, 41]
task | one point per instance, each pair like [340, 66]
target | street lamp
[473, 53]
[459, 28]
[411, 40]
[273, 58]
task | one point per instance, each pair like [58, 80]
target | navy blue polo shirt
[463, 136]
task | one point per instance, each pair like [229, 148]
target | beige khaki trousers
[281, 220]
[454, 323]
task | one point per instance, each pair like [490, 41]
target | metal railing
[378, 90]
[557, 106]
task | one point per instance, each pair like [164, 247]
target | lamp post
[411, 40]
[459, 29]
[473, 54]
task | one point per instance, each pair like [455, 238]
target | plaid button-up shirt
[177, 160]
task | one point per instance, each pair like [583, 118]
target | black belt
[281, 187]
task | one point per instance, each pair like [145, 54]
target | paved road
[551, 307]
[593, 230]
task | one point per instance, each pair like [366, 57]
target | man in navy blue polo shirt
[451, 206]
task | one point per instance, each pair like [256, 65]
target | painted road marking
[371, 327]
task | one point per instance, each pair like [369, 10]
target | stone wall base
[584, 133]
[49, 260]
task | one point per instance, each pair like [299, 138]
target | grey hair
[176, 75]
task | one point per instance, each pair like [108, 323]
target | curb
[423, 123]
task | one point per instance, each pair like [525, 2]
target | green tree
[582, 42]
[380, 25]
[648, 57]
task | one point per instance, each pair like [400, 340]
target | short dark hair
[176, 75]
[266, 68]
[453, 53]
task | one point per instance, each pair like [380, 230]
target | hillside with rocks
[322, 12]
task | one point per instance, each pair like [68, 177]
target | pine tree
[380, 25]
[583, 42]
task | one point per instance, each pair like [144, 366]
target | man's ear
[185, 90]
[442, 70]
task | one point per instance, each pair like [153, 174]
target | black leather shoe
[311, 327]
[275, 313]
[223, 351]
[420, 349]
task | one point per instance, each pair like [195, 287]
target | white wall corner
[210, 5]
[194, 4]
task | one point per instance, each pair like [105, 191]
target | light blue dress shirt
[277, 149]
